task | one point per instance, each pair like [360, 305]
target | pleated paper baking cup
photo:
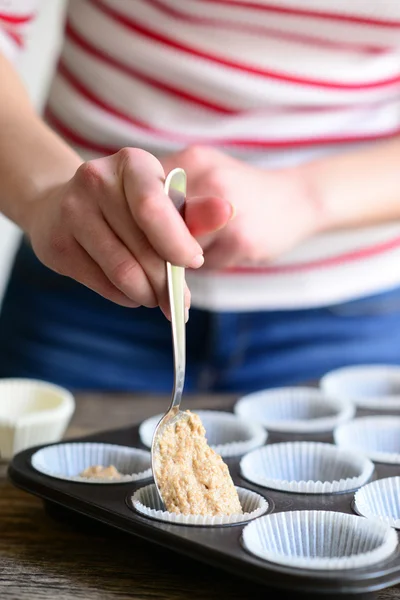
[32, 413]
[317, 539]
[294, 410]
[226, 433]
[69, 460]
[380, 500]
[146, 501]
[367, 386]
[306, 468]
[376, 437]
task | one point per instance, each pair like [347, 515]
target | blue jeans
[52, 328]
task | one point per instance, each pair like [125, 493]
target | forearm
[356, 189]
[32, 157]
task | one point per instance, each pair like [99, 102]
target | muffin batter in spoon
[192, 478]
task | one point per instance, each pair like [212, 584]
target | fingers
[206, 215]
[124, 187]
[213, 212]
[223, 253]
[153, 211]
[119, 218]
[84, 269]
[167, 310]
[114, 259]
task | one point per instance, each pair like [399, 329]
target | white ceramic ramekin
[32, 413]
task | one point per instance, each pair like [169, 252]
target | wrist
[30, 206]
[315, 200]
[307, 199]
[32, 172]
[32, 209]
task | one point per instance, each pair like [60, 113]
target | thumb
[207, 215]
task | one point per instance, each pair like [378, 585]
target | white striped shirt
[273, 82]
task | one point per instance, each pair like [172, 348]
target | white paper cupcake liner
[32, 413]
[226, 433]
[377, 437]
[380, 500]
[67, 461]
[319, 540]
[366, 386]
[147, 502]
[306, 468]
[294, 410]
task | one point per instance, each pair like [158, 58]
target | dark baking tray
[218, 546]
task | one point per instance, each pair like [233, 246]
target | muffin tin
[228, 546]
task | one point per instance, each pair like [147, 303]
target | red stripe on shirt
[129, 23]
[75, 138]
[86, 46]
[75, 37]
[16, 19]
[84, 91]
[332, 261]
[90, 96]
[300, 12]
[306, 142]
[16, 37]
[290, 36]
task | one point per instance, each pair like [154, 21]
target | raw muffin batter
[193, 479]
[101, 472]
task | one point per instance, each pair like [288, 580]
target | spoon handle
[175, 188]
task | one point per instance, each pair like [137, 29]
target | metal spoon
[175, 188]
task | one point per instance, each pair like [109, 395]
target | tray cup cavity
[380, 500]
[377, 437]
[67, 461]
[294, 410]
[306, 468]
[31, 413]
[226, 433]
[367, 386]
[146, 501]
[319, 540]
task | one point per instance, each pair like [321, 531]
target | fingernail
[233, 213]
[197, 261]
[186, 314]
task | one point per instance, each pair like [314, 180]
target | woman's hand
[274, 209]
[111, 227]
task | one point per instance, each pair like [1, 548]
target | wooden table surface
[46, 559]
